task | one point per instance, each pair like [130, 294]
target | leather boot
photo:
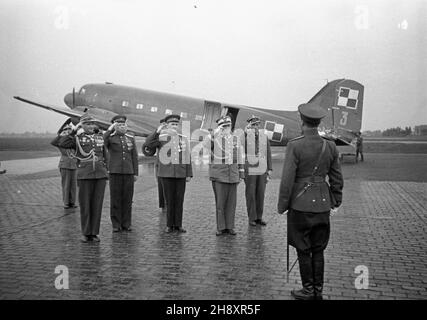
[318, 270]
[306, 272]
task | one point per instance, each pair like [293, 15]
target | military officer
[258, 169]
[308, 198]
[174, 168]
[160, 190]
[67, 167]
[92, 174]
[123, 172]
[226, 170]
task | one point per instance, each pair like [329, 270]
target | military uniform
[67, 168]
[92, 176]
[160, 190]
[174, 167]
[257, 169]
[225, 171]
[123, 167]
[309, 198]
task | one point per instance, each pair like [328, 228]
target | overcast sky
[270, 54]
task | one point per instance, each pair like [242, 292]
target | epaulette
[297, 138]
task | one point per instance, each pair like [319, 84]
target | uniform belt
[315, 179]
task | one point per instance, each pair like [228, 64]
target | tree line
[390, 132]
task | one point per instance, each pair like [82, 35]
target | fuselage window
[168, 111]
[183, 115]
[199, 117]
[139, 106]
[153, 109]
[125, 103]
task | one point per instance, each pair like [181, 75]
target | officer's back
[306, 150]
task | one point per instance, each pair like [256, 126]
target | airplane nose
[68, 99]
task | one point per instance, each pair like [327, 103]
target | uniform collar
[310, 132]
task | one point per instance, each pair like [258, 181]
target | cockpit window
[82, 90]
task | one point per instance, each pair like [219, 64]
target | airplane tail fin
[343, 99]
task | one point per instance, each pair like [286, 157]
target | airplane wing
[75, 116]
[65, 112]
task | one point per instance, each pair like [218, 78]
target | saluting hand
[112, 127]
[159, 128]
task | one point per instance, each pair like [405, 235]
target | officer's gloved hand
[112, 127]
[216, 130]
[160, 128]
[269, 175]
[334, 211]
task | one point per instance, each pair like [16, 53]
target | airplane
[342, 98]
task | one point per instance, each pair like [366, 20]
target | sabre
[288, 271]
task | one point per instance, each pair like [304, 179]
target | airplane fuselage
[342, 99]
[144, 109]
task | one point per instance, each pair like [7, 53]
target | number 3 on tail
[343, 120]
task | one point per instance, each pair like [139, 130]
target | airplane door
[232, 113]
[211, 113]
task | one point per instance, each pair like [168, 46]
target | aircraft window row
[140, 106]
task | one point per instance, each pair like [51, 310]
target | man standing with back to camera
[308, 198]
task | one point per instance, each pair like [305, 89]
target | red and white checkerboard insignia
[348, 97]
[274, 131]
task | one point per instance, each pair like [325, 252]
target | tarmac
[377, 248]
